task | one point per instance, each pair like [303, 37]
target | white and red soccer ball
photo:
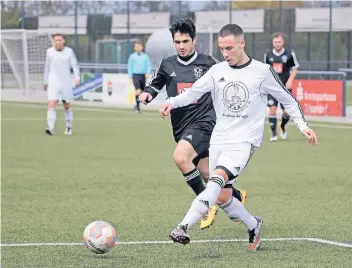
[99, 237]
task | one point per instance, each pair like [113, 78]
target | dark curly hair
[184, 26]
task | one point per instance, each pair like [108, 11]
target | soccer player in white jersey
[58, 81]
[239, 87]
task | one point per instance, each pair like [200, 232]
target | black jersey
[282, 63]
[177, 75]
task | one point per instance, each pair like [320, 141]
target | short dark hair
[231, 29]
[57, 34]
[138, 42]
[184, 26]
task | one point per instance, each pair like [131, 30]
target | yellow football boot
[208, 218]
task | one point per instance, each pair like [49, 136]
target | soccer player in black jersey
[192, 125]
[285, 64]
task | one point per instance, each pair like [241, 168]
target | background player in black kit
[285, 64]
[192, 125]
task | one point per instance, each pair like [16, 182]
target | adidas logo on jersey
[173, 74]
[222, 79]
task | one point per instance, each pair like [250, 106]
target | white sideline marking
[126, 110]
[149, 118]
[87, 119]
[151, 113]
[316, 240]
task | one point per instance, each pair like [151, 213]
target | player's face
[59, 42]
[184, 44]
[138, 48]
[278, 43]
[232, 48]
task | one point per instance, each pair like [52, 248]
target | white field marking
[154, 113]
[331, 126]
[121, 110]
[86, 119]
[152, 118]
[151, 113]
[285, 239]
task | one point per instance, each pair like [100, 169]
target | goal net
[23, 59]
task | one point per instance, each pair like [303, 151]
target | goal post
[23, 59]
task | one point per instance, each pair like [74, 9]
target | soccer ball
[99, 237]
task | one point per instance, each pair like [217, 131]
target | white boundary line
[316, 240]
[150, 118]
[87, 119]
[148, 113]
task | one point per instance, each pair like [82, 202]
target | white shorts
[233, 158]
[64, 93]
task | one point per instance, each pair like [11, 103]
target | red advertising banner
[319, 97]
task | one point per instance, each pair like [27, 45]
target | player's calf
[273, 122]
[68, 118]
[285, 119]
[138, 92]
[51, 117]
[183, 158]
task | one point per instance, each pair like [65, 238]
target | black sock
[137, 103]
[195, 181]
[273, 123]
[236, 194]
[284, 121]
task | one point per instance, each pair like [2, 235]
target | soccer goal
[23, 59]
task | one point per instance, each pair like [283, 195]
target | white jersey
[240, 100]
[57, 67]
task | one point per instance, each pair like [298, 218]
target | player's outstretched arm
[311, 136]
[190, 95]
[145, 97]
[155, 85]
[273, 85]
[75, 67]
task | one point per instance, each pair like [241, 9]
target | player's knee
[181, 159]
[285, 115]
[203, 167]
[225, 173]
[224, 196]
[67, 106]
[52, 104]
[184, 155]
[272, 110]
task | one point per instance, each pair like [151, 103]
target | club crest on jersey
[284, 58]
[236, 96]
[198, 72]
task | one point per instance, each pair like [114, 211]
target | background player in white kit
[239, 87]
[58, 81]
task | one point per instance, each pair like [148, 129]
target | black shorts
[273, 102]
[139, 81]
[199, 137]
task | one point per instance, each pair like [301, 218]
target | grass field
[118, 167]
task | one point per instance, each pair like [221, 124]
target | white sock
[203, 201]
[51, 118]
[69, 117]
[236, 212]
